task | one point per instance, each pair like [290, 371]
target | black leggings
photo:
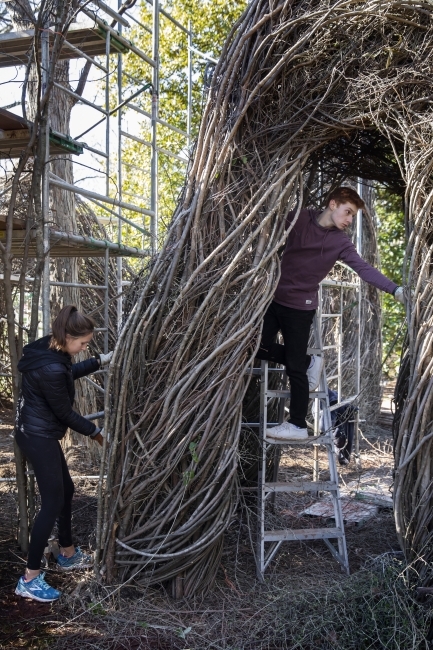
[56, 489]
[294, 324]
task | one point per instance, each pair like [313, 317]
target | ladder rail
[260, 556]
[269, 489]
[271, 554]
[327, 426]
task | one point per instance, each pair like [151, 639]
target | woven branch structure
[305, 95]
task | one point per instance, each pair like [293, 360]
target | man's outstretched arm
[367, 272]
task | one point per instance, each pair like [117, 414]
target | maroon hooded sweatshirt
[311, 252]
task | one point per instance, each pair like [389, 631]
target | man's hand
[104, 359]
[403, 295]
[399, 295]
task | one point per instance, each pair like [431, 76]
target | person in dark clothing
[315, 242]
[44, 413]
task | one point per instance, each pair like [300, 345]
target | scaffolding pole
[57, 182]
[358, 350]
[119, 183]
[45, 62]
[107, 109]
[189, 109]
[91, 43]
[154, 129]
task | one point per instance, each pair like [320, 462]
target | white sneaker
[287, 431]
[314, 370]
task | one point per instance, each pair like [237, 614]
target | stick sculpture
[296, 81]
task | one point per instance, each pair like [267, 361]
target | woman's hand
[99, 437]
[104, 359]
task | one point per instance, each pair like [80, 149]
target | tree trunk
[62, 203]
[22, 18]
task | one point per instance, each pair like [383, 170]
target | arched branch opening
[305, 95]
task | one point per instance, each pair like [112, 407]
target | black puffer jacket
[47, 392]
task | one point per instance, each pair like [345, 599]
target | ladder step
[258, 371]
[345, 402]
[293, 534]
[286, 393]
[254, 425]
[302, 486]
[278, 393]
[311, 440]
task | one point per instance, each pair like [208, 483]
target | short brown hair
[346, 195]
[70, 321]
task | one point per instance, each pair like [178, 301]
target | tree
[211, 22]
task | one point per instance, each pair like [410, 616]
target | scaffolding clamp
[66, 142]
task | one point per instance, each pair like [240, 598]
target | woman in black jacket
[44, 413]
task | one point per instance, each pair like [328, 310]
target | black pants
[56, 489]
[295, 325]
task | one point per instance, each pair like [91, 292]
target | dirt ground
[90, 615]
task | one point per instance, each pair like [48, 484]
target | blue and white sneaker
[37, 589]
[77, 561]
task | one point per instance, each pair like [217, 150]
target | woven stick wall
[298, 84]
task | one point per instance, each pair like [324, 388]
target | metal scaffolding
[115, 123]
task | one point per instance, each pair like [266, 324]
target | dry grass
[306, 603]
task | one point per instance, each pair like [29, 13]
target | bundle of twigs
[293, 79]
[413, 422]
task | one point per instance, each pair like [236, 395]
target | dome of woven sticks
[305, 94]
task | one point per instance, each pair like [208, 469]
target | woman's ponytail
[70, 321]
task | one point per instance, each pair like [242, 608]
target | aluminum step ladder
[269, 541]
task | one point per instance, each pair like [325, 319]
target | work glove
[403, 295]
[399, 295]
[104, 359]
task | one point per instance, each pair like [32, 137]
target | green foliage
[182, 633]
[211, 21]
[97, 609]
[192, 448]
[392, 243]
[187, 477]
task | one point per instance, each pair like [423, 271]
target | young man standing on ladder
[315, 243]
